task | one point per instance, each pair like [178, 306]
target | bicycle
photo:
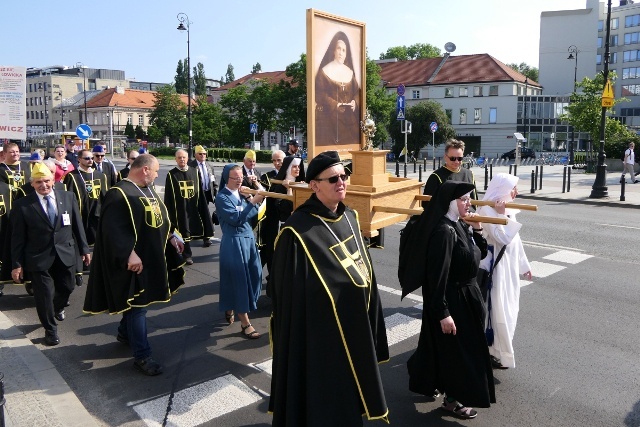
[469, 161]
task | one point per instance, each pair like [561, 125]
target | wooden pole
[405, 211]
[268, 194]
[520, 206]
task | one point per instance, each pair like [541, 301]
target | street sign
[400, 108]
[400, 90]
[607, 95]
[434, 127]
[84, 131]
[253, 128]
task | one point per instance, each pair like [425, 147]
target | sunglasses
[201, 154]
[98, 155]
[87, 158]
[453, 159]
[132, 158]
[334, 179]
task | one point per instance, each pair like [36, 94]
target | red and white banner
[13, 107]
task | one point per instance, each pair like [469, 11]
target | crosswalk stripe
[198, 404]
[568, 257]
[400, 327]
[399, 292]
[544, 269]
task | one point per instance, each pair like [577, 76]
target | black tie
[51, 210]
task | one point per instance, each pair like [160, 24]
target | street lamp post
[46, 113]
[599, 188]
[84, 89]
[573, 54]
[184, 19]
[59, 92]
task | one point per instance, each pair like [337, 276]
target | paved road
[576, 343]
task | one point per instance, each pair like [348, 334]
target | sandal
[251, 335]
[230, 316]
[459, 410]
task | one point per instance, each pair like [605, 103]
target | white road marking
[400, 327]
[544, 245]
[524, 283]
[263, 366]
[619, 226]
[568, 257]
[543, 269]
[399, 292]
[198, 404]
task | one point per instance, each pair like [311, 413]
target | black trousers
[51, 290]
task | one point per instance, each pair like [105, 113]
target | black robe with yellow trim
[130, 221]
[327, 327]
[6, 202]
[443, 174]
[90, 188]
[187, 204]
[15, 175]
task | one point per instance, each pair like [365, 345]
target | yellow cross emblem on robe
[94, 187]
[187, 189]
[353, 264]
[3, 206]
[152, 214]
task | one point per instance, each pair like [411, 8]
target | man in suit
[46, 226]
[250, 175]
[207, 182]
[105, 167]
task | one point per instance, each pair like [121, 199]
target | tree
[421, 115]
[415, 51]
[238, 112]
[139, 132]
[199, 80]
[128, 130]
[169, 118]
[207, 123]
[584, 113]
[181, 80]
[292, 97]
[527, 70]
[256, 68]
[229, 77]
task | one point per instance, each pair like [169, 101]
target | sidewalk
[38, 396]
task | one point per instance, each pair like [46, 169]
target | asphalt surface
[215, 377]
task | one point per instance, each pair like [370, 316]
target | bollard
[420, 173]
[424, 163]
[434, 164]
[490, 172]
[533, 182]
[536, 180]
[405, 170]
[414, 166]
[564, 179]
[510, 169]
[439, 162]
[486, 178]
[397, 169]
[568, 179]
[540, 186]
[622, 185]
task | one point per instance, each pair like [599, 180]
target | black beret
[321, 162]
[293, 142]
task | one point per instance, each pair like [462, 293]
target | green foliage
[207, 123]
[181, 80]
[256, 68]
[415, 51]
[229, 76]
[237, 154]
[238, 113]
[199, 80]
[292, 97]
[529, 71]
[379, 103]
[129, 131]
[169, 118]
[139, 132]
[584, 113]
[421, 115]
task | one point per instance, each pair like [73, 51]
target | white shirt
[631, 156]
[43, 202]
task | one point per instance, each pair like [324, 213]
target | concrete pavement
[37, 395]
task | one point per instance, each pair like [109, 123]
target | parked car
[525, 153]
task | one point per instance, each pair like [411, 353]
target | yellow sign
[607, 95]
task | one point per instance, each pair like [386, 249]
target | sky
[141, 36]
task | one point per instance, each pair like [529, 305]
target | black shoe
[122, 339]
[67, 304]
[206, 243]
[496, 364]
[188, 261]
[51, 338]
[148, 366]
[636, 181]
[79, 280]
[60, 316]
[29, 288]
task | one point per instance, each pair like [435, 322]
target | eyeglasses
[98, 155]
[466, 199]
[453, 159]
[132, 158]
[334, 179]
[201, 154]
[87, 158]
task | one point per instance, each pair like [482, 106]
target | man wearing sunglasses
[105, 167]
[451, 171]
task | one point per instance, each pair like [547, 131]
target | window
[493, 115]
[600, 25]
[463, 116]
[464, 91]
[449, 114]
[630, 90]
[628, 56]
[631, 21]
[273, 138]
[477, 91]
[415, 94]
[448, 92]
[140, 119]
[493, 90]
[614, 58]
[79, 87]
[95, 118]
[630, 73]
[615, 23]
[477, 115]
[598, 59]
[599, 42]
[129, 118]
[284, 138]
[30, 89]
[631, 38]
[613, 40]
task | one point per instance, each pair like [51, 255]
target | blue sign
[434, 127]
[253, 128]
[400, 90]
[84, 131]
[400, 108]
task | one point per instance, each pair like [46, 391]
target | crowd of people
[75, 212]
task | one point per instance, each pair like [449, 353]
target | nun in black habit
[452, 354]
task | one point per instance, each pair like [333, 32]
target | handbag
[485, 288]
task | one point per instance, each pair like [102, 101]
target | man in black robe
[136, 259]
[271, 223]
[187, 204]
[13, 171]
[6, 201]
[103, 166]
[327, 325]
[90, 187]
[451, 171]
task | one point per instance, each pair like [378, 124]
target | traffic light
[292, 131]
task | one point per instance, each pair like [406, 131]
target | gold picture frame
[336, 83]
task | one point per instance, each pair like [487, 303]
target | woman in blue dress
[240, 266]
